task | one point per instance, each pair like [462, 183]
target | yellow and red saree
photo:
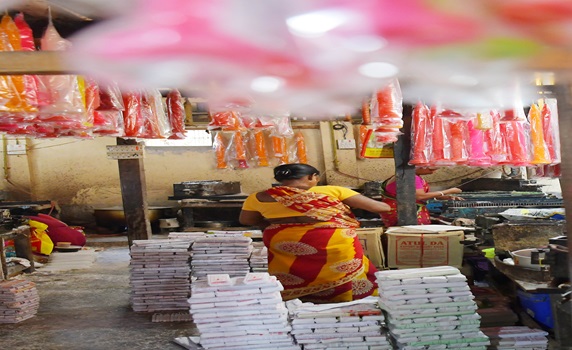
[318, 262]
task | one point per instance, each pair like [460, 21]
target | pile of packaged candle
[350, 325]
[214, 254]
[240, 313]
[19, 300]
[430, 307]
[159, 275]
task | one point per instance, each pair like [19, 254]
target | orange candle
[540, 153]
[301, 148]
[549, 136]
[438, 141]
[458, 141]
[240, 150]
[279, 147]
[420, 123]
[220, 151]
[261, 154]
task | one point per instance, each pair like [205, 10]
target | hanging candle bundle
[279, 148]
[176, 114]
[220, 151]
[260, 147]
[240, 150]
[440, 148]
[551, 137]
[458, 139]
[301, 148]
[540, 154]
[515, 132]
[494, 142]
[477, 154]
[420, 131]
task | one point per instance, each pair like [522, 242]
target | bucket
[523, 258]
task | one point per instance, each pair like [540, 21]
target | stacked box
[240, 313]
[430, 308]
[337, 326]
[516, 337]
[259, 257]
[160, 275]
[227, 254]
[19, 301]
[188, 236]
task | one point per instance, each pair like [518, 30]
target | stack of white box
[19, 300]
[350, 325]
[430, 308]
[220, 254]
[188, 236]
[259, 258]
[516, 337]
[240, 313]
[160, 275]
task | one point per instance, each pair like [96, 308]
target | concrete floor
[89, 310]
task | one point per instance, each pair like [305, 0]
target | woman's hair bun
[293, 171]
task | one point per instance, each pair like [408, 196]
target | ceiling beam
[36, 62]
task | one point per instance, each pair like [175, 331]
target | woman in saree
[422, 194]
[310, 233]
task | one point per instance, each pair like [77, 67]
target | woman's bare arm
[252, 218]
[362, 202]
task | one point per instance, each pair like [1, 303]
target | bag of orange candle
[540, 154]
[219, 146]
[420, 135]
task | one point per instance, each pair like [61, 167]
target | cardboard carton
[370, 239]
[424, 246]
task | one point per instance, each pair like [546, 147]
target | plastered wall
[79, 177]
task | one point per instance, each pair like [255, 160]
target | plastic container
[489, 253]
[538, 306]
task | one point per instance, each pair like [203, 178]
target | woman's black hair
[293, 171]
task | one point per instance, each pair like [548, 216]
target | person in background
[422, 194]
[310, 233]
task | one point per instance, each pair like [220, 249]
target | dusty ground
[89, 310]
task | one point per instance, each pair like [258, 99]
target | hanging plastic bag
[176, 114]
[420, 136]
[551, 129]
[61, 98]
[220, 148]
[132, 118]
[540, 154]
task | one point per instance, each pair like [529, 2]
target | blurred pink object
[477, 156]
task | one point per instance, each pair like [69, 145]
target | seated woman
[422, 194]
[310, 233]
